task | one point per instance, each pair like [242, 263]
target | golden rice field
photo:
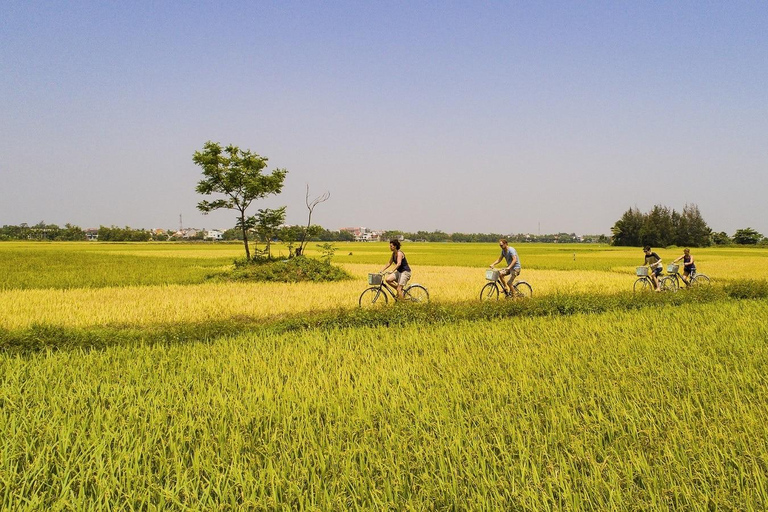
[168, 295]
[656, 408]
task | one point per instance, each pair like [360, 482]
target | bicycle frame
[384, 286]
[518, 288]
[413, 292]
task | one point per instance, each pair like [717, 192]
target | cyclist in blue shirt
[509, 254]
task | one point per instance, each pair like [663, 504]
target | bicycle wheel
[373, 297]
[416, 293]
[522, 289]
[700, 280]
[489, 292]
[668, 284]
[643, 284]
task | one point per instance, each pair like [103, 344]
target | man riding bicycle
[513, 265]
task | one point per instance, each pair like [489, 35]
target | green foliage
[721, 238]
[293, 270]
[267, 223]
[238, 176]
[747, 236]
[327, 250]
[126, 234]
[662, 227]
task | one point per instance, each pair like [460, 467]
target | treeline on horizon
[660, 227]
[52, 232]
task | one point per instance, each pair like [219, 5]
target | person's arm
[388, 264]
[690, 263]
[496, 262]
[399, 259]
[678, 259]
[512, 263]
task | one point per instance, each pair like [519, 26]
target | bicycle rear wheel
[522, 289]
[668, 284]
[373, 297]
[642, 284]
[700, 281]
[416, 293]
[489, 292]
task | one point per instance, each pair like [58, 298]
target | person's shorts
[689, 270]
[656, 271]
[506, 272]
[402, 278]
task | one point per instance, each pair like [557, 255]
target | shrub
[286, 271]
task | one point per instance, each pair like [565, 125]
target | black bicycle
[492, 289]
[377, 294]
[671, 282]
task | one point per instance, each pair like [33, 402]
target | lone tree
[311, 207]
[267, 223]
[238, 176]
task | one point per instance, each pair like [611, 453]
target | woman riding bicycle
[402, 274]
[689, 266]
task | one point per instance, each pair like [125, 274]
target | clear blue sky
[461, 116]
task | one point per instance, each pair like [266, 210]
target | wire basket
[673, 268]
[374, 279]
[492, 275]
[642, 271]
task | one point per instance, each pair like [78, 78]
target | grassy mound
[293, 270]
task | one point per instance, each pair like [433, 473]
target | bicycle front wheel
[489, 292]
[642, 284]
[523, 289]
[373, 297]
[668, 284]
[700, 281]
[416, 293]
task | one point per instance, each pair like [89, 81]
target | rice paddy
[655, 408]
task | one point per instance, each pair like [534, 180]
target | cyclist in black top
[402, 273]
[689, 266]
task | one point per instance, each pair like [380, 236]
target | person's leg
[512, 276]
[402, 280]
[502, 282]
[391, 279]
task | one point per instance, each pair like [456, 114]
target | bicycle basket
[374, 279]
[672, 268]
[492, 275]
[642, 271]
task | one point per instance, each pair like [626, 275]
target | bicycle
[376, 294]
[643, 283]
[671, 282]
[520, 289]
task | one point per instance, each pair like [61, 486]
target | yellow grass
[148, 305]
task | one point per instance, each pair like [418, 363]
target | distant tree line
[42, 231]
[660, 227]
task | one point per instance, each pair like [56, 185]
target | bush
[286, 271]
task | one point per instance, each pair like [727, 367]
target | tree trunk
[245, 237]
